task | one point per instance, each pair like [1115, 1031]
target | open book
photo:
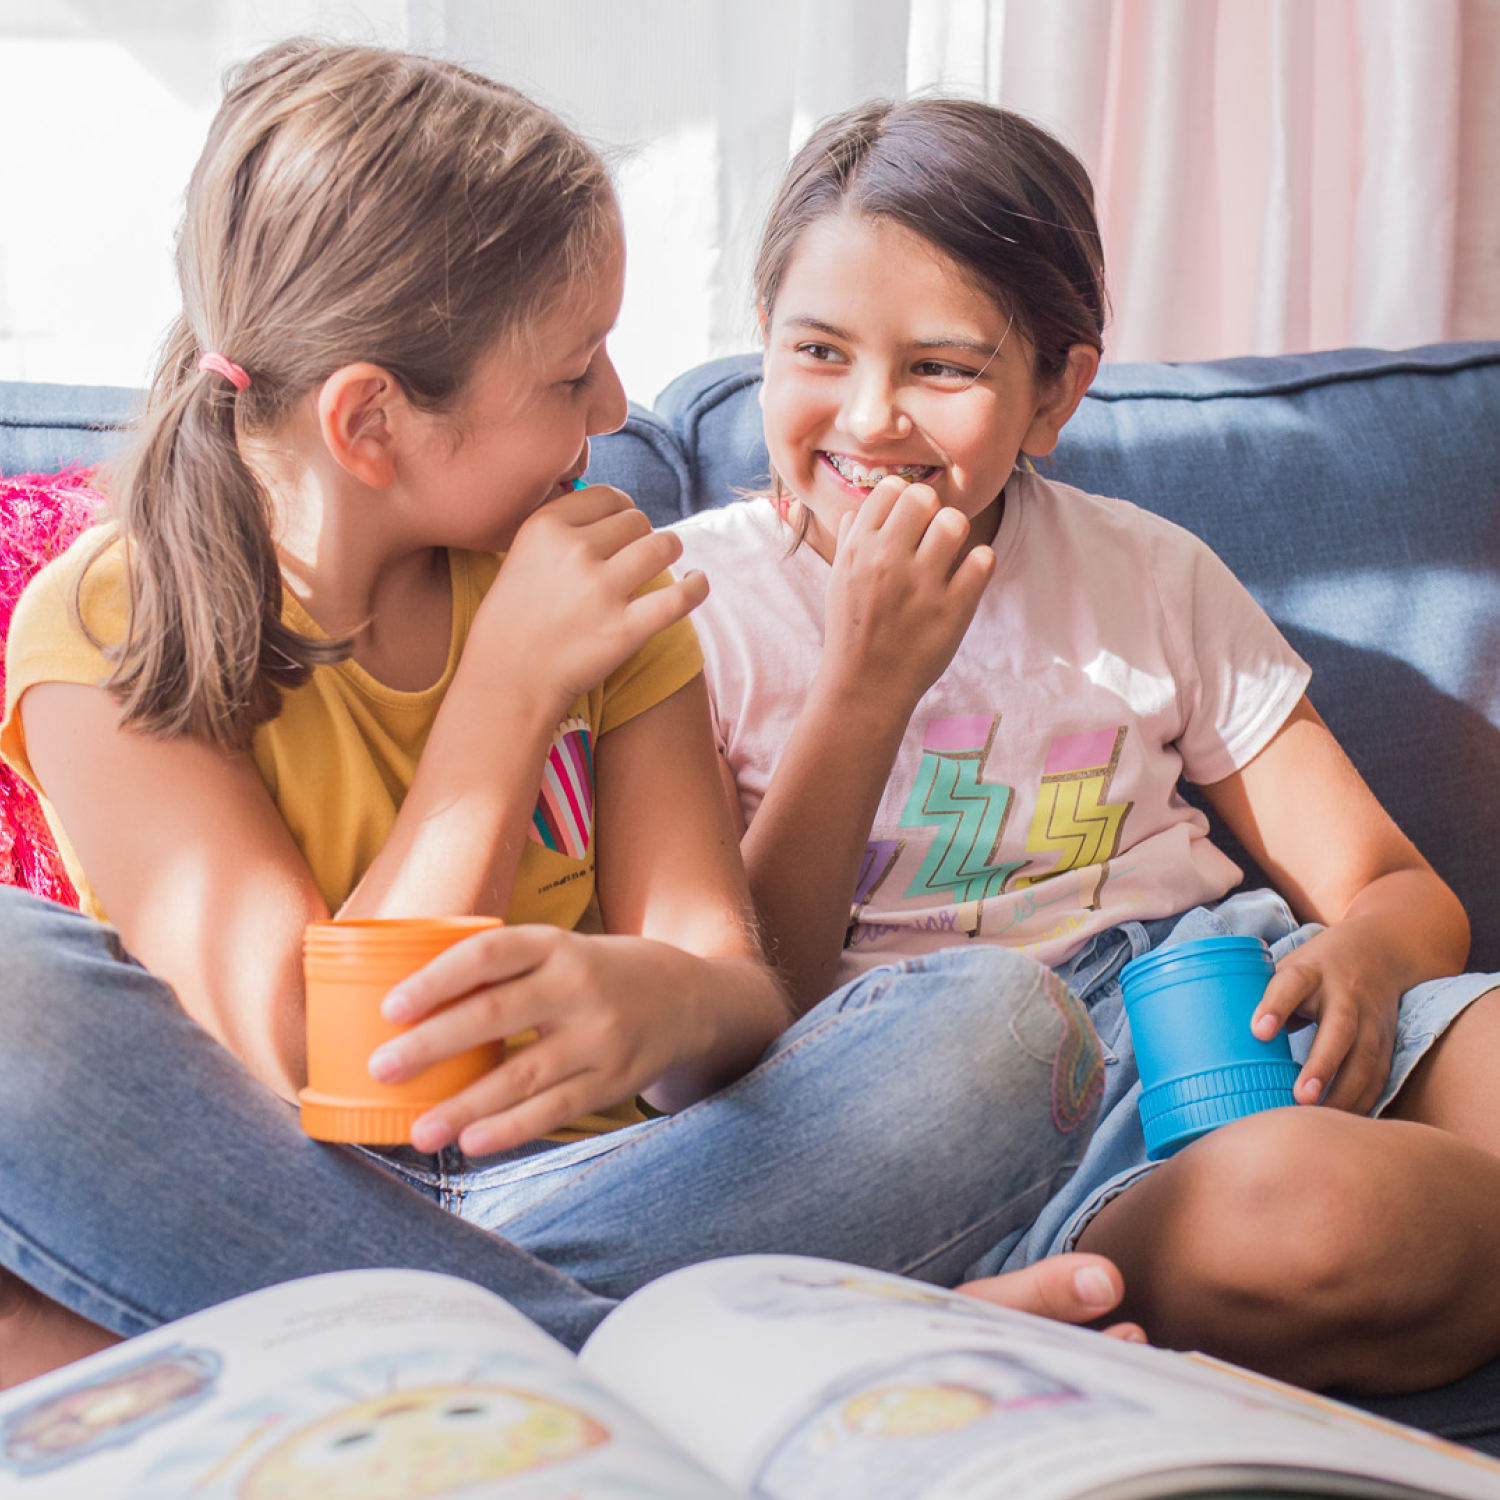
[766, 1376]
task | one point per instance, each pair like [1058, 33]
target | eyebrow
[592, 341]
[979, 348]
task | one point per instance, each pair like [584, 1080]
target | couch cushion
[645, 459]
[715, 412]
[1356, 492]
[46, 427]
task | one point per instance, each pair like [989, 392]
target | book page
[362, 1385]
[797, 1379]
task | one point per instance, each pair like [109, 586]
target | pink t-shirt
[1034, 800]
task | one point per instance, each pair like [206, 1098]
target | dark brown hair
[350, 204]
[1009, 203]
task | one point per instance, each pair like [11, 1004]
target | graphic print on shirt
[879, 860]
[1073, 820]
[564, 817]
[1073, 817]
[969, 814]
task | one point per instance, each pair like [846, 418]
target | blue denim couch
[1356, 492]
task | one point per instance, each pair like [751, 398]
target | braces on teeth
[856, 473]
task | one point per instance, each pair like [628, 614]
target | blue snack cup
[1201, 1066]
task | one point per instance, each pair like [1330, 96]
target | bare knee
[1264, 1242]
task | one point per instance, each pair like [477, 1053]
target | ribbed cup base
[328, 1118]
[1182, 1109]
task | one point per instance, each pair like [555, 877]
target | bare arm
[680, 881]
[1304, 813]
[673, 1001]
[900, 597]
[191, 860]
[562, 614]
[188, 852]
[804, 848]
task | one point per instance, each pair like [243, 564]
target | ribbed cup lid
[1182, 1109]
[383, 950]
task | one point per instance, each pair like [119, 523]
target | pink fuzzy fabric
[40, 514]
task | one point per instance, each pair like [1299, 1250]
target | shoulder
[667, 662]
[736, 529]
[746, 550]
[92, 571]
[43, 641]
[1107, 539]
[1103, 520]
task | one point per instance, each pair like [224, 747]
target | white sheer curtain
[1273, 175]
[704, 100]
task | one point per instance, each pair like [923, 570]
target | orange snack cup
[349, 966]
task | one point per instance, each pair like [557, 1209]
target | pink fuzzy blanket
[40, 514]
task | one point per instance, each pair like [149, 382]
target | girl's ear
[1060, 400]
[360, 412]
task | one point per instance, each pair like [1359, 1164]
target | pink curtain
[1272, 175]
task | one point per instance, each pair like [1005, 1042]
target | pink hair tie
[231, 372]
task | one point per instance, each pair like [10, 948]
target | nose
[608, 408]
[873, 409]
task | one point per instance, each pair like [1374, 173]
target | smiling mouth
[866, 477]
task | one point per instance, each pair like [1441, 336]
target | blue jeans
[909, 1122]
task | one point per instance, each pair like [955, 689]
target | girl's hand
[611, 1016]
[566, 603]
[902, 592]
[1339, 979]
[1308, 820]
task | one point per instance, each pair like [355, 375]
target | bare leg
[38, 1334]
[1453, 1087]
[1317, 1246]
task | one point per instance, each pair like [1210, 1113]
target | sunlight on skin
[38, 1335]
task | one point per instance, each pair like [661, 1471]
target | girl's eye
[581, 382]
[822, 353]
[937, 369]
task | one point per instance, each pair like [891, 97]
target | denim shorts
[1116, 1155]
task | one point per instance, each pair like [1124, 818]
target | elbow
[1459, 932]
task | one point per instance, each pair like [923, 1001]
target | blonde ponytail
[205, 654]
[350, 204]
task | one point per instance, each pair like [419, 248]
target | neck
[353, 572]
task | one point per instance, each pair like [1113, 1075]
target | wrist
[731, 1010]
[515, 694]
[867, 709]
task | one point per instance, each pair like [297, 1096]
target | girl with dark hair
[955, 699]
[352, 605]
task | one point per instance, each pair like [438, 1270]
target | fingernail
[431, 1133]
[384, 1065]
[476, 1141]
[396, 1006]
[1094, 1287]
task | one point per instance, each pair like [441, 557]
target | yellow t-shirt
[339, 757]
